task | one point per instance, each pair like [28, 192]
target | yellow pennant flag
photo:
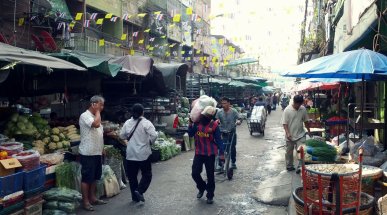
[182, 52]
[198, 52]
[147, 30]
[118, 44]
[214, 59]
[151, 48]
[205, 58]
[99, 21]
[213, 41]
[72, 24]
[221, 41]
[186, 33]
[131, 52]
[189, 11]
[141, 42]
[101, 42]
[171, 46]
[188, 58]
[123, 37]
[163, 37]
[167, 54]
[142, 15]
[214, 51]
[78, 16]
[21, 21]
[109, 16]
[172, 25]
[176, 18]
[148, 46]
[157, 13]
[230, 48]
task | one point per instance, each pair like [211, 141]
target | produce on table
[318, 150]
[11, 147]
[56, 139]
[29, 160]
[167, 147]
[24, 125]
[52, 159]
[3, 155]
[183, 116]
[65, 177]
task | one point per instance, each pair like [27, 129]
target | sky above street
[266, 29]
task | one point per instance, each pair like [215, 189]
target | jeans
[132, 168]
[197, 168]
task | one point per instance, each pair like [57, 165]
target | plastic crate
[11, 184]
[34, 179]
[19, 212]
[35, 209]
[34, 192]
[336, 130]
[12, 209]
[33, 200]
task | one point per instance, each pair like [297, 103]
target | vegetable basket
[366, 207]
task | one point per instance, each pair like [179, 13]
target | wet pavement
[259, 160]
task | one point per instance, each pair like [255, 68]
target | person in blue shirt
[207, 142]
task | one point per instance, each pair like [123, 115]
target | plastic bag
[77, 176]
[368, 146]
[62, 194]
[338, 139]
[198, 106]
[344, 147]
[110, 181]
[29, 159]
[100, 191]
[52, 159]
[115, 164]
[54, 212]
[11, 147]
[376, 160]
[52, 205]
[68, 207]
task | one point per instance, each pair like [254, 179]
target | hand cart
[257, 121]
[228, 138]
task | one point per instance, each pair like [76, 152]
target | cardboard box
[7, 166]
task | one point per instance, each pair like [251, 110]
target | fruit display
[57, 138]
[4, 155]
[183, 112]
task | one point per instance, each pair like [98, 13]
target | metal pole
[362, 107]
[385, 117]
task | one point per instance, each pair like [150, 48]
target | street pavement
[259, 186]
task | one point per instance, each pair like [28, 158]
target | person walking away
[91, 150]
[293, 119]
[140, 134]
[260, 102]
[208, 141]
[269, 103]
[229, 118]
[275, 101]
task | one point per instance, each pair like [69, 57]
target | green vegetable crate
[35, 209]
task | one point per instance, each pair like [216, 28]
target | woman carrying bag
[140, 134]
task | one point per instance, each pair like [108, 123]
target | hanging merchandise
[112, 187]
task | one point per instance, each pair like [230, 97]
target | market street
[173, 191]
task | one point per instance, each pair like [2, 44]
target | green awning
[96, 62]
[219, 81]
[240, 84]
[242, 61]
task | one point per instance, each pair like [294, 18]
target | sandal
[88, 207]
[99, 202]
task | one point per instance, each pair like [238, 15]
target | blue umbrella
[333, 80]
[361, 64]
[358, 64]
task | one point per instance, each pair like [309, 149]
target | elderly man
[91, 149]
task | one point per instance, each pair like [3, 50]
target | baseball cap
[209, 111]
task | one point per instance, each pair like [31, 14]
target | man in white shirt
[293, 119]
[91, 149]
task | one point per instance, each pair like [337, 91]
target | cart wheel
[263, 133]
[251, 133]
[230, 173]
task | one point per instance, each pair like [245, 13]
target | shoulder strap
[134, 129]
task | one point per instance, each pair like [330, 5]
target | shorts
[91, 168]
